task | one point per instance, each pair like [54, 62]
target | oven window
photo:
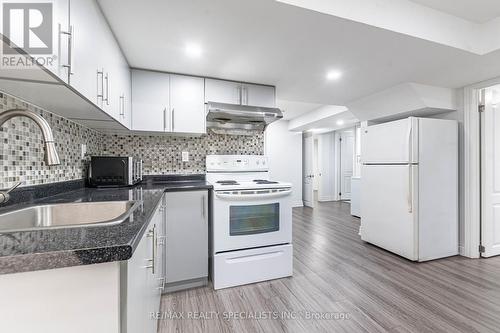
[257, 219]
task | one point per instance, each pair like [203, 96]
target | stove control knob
[258, 162]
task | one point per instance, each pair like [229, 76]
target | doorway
[328, 166]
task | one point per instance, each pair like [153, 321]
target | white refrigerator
[409, 188]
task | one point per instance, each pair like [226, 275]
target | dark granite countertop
[54, 248]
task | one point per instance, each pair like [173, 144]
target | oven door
[251, 218]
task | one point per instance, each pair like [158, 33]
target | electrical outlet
[185, 156]
[84, 150]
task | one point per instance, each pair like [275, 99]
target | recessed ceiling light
[340, 122]
[193, 50]
[333, 75]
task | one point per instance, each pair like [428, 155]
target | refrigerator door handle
[410, 148]
[410, 189]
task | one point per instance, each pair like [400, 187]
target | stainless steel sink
[67, 215]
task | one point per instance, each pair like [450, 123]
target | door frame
[472, 168]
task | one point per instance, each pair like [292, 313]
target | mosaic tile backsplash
[21, 152]
[162, 154]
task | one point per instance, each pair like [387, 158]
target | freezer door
[389, 208]
[389, 143]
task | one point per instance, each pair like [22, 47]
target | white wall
[284, 149]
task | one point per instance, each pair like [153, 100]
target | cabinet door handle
[245, 95]
[203, 207]
[152, 233]
[165, 119]
[107, 88]
[69, 64]
[172, 120]
[100, 94]
[122, 105]
[240, 95]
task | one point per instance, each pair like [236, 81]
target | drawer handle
[254, 257]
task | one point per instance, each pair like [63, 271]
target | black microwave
[109, 171]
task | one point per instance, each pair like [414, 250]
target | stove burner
[227, 182]
[263, 181]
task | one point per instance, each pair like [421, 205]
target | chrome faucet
[5, 196]
[51, 156]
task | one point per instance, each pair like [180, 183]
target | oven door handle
[252, 196]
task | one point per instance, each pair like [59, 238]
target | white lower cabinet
[112, 297]
[187, 239]
[143, 278]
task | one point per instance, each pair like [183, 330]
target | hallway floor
[342, 284]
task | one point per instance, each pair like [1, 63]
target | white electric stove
[252, 221]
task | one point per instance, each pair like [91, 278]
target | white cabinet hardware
[69, 62]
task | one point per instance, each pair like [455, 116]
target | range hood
[239, 119]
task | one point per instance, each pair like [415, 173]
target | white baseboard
[461, 251]
[298, 204]
[327, 198]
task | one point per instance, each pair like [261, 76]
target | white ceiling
[479, 11]
[264, 41]
[293, 109]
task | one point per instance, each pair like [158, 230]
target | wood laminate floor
[336, 273]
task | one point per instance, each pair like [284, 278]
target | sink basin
[67, 215]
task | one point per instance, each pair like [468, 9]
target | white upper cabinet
[258, 95]
[125, 97]
[221, 91]
[86, 24]
[187, 107]
[117, 82]
[62, 35]
[150, 101]
[164, 102]
[99, 70]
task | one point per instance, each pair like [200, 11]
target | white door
[346, 163]
[316, 167]
[86, 21]
[388, 208]
[150, 101]
[258, 95]
[308, 173]
[390, 142]
[187, 235]
[187, 106]
[490, 225]
[221, 91]
[61, 38]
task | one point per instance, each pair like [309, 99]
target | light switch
[185, 156]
